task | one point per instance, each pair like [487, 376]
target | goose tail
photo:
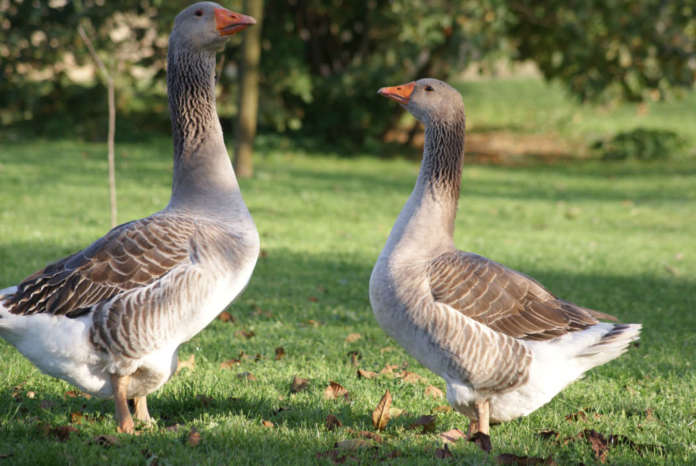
[3, 310]
[612, 344]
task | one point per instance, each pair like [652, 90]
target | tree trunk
[248, 91]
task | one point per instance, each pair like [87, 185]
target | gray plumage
[494, 334]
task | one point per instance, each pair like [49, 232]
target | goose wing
[130, 256]
[503, 299]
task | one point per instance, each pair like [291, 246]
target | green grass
[616, 237]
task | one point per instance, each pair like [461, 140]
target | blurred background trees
[323, 60]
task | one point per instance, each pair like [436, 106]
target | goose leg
[141, 412]
[483, 411]
[119, 385]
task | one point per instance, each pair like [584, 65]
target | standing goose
[504, 345]
[111, 317]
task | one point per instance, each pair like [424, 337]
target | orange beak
[401, 94]
[228, 22]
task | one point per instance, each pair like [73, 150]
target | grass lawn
[619, 237]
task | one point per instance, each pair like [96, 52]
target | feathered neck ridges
[443, 156]
[191, 89]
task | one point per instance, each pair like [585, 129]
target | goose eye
[199, 13]
[428, 88]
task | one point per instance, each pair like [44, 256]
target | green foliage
[641, 144]
[617, 237]
[626, 47]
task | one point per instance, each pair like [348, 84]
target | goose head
[207, 25]
[429, 100]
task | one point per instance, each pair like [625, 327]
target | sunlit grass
[616, 237]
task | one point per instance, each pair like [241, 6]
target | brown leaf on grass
[332, 422]
[229, 363]
[549, 434]
[246, 375]
[452, 436]
[105, 440]
[442, 409]
[313, 299]
[380, 416]
[355, 358]
[433, 392]
[335, 390]
[244, 333]
[189, 363]
[76, 394]
[353, 337]
[579, 416]
[427, 421]
[298, 384]
[482, 440]
[389, 369]
[599, 444]
[366, 374]
[365, 434]
[509, 458]
[225, 317]
[650, 415]
[313, 323]
[386, 349]
[267, 424]
[443, 453]
[410, 377]
[31, 395]
[76, 417]
[62, 433]
[193, 439]
[279, 353]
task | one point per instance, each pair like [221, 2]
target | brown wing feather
[131, 255]
[504, 300]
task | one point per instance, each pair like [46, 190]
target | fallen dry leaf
[244, 333]
[442, 409]
[509, 458]
[332, 422]
[598, 443]
[452, 436]
[483, 441]
[279, 353]
[389, 369]
[62, 433]
[410, 377]
[76, 394]
[433, 392]
[313, 323]
[443, 453]
[246, 375]
[193, 439]
[380, 416]
[189, 363]
[31, 395]
[225, 317]
[229, 363]
[76, 417]
[353, 337]
[298, 384]
[365, 434]
[313, 299]
[386, 349]
[427, 421]
[366, 374]
[355, 358]
[579, 416]
[335, 390]
[267, 424]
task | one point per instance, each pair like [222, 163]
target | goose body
[504, 344]
[111, 317]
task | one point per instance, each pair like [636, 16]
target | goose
[504, 345]
[110, 318]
